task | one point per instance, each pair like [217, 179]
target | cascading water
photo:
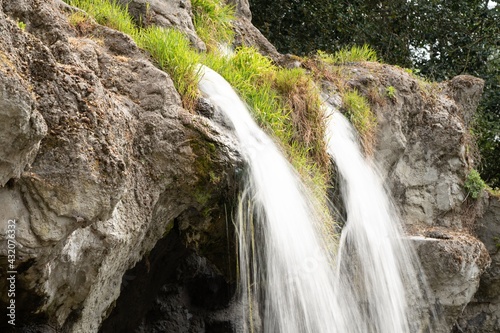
[373, 255]
[288, 279]
[283, 240]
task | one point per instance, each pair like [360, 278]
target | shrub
[474, 184]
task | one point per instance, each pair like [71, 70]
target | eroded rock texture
[100, 161]
[165, 13]
[482, 315]
[423, 150]
[123, 198]
[422, 141]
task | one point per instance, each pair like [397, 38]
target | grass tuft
[213, 21]
[360, 115]
[301, 96]
[108, 13]
[390, 92]
[349, 55]
[172, 51]
[21, 25]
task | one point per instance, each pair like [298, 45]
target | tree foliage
[437, 38]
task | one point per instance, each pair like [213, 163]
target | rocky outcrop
[422, 142]
[120, 165]
[482, 315]
[121, 196]
[453, 268]
[422, 147]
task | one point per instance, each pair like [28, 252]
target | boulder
[452, 267]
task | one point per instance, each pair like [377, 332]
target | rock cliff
[99, 162]
[423, 149]
[122, 198]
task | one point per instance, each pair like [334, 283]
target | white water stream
[288, 281]
[379, 262]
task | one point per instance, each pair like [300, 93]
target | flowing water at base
[288, 280]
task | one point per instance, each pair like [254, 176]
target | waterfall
[289, 282]
[373, 255]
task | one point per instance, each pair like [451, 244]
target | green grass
[349, 55]
[213, 22]
[21, 25]
[169, 48]
[172, 51]
[285, 103]
[361, 116]
[390, 92]
[301, 95]
[108, 13]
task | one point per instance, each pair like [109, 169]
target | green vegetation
[404, 33]
[173, 53]
[391, 92]
[362, 118]
[21, 25]
[348, 55]
[300, 95]
[213, 22]
[170, 48]
[108, 13]
[474, 184]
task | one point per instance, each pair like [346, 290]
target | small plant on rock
[474, 184]
[391, 93]
[21, 25]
